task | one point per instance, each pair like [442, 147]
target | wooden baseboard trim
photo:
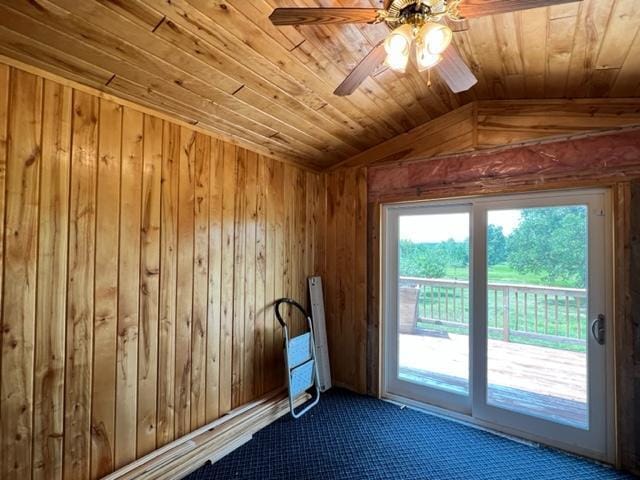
[209, 443]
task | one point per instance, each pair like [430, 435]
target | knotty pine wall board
[139, 262]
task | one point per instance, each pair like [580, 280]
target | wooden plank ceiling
[220, 64]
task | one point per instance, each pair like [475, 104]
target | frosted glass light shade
[434, 37]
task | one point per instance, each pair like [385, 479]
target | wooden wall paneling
[250, 222]
[334, 295]
[216, 183]
[20, 255]
[5, 75]
[200, 280]
[300, 232]
[279, 189]
[293, 260]
[329, 284]
[129, 287]
[80, 286]
[149, 286]
[48, 413]
[270, 282]
[345, 262]
[321, 210]
[168, 285]
[103, 411]
[286, 258]
[184, 312]
[156, 255]
[629, 359]
[261, 280]
[373, 299]
[239, 281]
[622, 209]
[360, 280]
[345, 275]
[227, 338]
[310, 182]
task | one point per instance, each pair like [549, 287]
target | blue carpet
[348, 436]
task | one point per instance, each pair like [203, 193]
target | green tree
[551, 242]
[496, 245]
[455, 253]
[420, 260]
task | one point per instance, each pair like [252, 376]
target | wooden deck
[540, 381]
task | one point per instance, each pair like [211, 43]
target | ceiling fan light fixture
[397, 63]
[426, 60]
[434, 37]
[398, 45]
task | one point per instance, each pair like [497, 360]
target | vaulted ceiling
[220, 64]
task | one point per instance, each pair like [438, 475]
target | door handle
[597, 329]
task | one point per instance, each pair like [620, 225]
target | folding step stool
[300, 361]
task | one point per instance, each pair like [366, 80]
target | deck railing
[515, 311]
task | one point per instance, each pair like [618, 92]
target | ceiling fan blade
[457, 25]
[455, 72]
[359, 74]
[387, 4]
[479, 8]
[310, 16]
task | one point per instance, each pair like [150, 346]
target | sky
[439, 228]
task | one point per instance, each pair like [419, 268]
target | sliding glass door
[430, 276]
[496, 308]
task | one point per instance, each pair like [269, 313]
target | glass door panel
[537, 311]
[433, 301]
[427, 304]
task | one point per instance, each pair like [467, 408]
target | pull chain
[429, 78]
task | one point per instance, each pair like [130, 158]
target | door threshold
[515, 435]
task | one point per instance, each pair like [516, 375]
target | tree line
[549, 242]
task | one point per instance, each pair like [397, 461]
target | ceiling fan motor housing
[417, 12]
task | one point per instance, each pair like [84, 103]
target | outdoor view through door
[537, 312]
[492, 310]
[433, 300]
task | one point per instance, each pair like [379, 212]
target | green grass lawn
[503, 273]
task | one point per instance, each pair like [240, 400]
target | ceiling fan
[420, 33]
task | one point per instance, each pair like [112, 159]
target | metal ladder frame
[316, 398]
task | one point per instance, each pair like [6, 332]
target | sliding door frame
[478, 276]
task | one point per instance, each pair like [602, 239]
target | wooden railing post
[505, 314]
